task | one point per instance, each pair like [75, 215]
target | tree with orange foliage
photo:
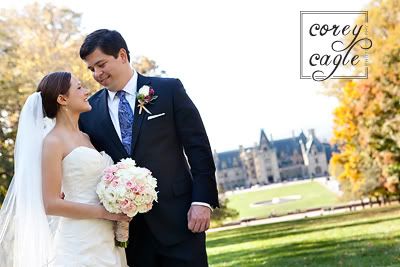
[367, 121]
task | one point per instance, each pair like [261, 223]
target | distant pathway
[293, 217]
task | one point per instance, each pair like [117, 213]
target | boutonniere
[144, 97]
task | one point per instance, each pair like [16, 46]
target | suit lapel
[138, 118]
[107, 123]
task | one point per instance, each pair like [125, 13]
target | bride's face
[77, 99]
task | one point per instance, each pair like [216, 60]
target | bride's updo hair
[51, 86]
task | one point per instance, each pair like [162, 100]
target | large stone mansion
[271, 161]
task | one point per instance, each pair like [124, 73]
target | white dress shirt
[113, 103]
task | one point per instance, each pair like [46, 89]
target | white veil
[25, 233]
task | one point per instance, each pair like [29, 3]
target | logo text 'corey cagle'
[337, 46]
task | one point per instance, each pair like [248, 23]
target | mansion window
[235, 162]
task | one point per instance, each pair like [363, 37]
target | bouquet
[129, 189]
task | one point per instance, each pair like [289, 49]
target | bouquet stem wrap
[121, 234]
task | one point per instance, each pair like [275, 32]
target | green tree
[147, 66]
[33, 42]
[223, 212]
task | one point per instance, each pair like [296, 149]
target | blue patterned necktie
[125, 117]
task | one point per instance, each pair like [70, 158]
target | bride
[39, 226]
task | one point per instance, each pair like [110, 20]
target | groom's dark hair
[109, 42]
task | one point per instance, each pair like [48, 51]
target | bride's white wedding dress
[88, 242]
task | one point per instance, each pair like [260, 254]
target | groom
[166, 136]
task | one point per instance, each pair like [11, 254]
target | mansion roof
[284, 149]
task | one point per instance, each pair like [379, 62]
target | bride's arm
[53, 203]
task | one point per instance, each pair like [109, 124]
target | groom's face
[106, 69]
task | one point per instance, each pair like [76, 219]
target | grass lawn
[366, 238]
[312, 194]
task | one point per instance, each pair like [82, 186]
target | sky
[238, 59]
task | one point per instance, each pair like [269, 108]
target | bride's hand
[118, 217]
[115, 217]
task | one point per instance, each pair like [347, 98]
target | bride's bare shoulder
[53, 141]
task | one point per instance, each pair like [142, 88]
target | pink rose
[130, 185]
[112, 169]
[132, 207]
[108, 178]
[124, 202]
[138, 189]
[128, 207]
[135, 189]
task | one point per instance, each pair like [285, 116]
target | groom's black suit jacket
[160, 144]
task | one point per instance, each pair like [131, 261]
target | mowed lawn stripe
[365, 238]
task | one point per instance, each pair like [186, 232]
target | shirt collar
[130, 87]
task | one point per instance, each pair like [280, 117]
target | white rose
[100, 191]
[142, 209]
[110, 196]
[148, 198]
[128, 162]
[139, 200]
[144, 90]
[152, 182]
[130, 195]
[121, 192]
[132, 213]
[141, 173]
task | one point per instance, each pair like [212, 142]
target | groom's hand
[199, 218]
